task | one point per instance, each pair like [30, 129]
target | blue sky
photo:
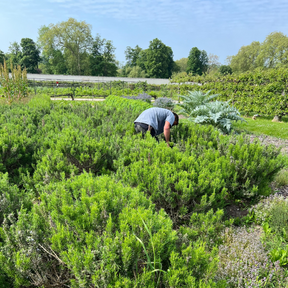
[218, 27]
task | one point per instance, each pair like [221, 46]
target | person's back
[156, 120]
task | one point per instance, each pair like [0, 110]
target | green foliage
[102, 58]
[182, 64]
[281, 178]
[158, 60]
[200, 110]
[197, 61]
[247, 91]
[197, 174]
[72, 38]
[246, 58]
[106, 217]
[132, 55]
[12, 198]
[30, 55]
[225, 69]
[194, 99]
[88, 202]
[15, 87]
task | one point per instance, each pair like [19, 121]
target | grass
[264, 125]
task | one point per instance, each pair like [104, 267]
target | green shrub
[88, 226]
[196, 175]
[281, 178]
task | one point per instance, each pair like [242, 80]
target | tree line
[271, 53]
[69, 48]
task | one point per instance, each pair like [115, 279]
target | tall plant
[15, 86]
[200, 109]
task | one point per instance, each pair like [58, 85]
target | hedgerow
[264, 92]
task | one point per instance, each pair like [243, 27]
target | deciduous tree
[30, 55]
[247, 58]
[197, 61]
[274, 51]
[137, 72]
[132, 55]
[14, 53]
[159, 60]
[102, 58]
[182, 64]
[71, 36]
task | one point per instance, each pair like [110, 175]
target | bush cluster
[86, 202]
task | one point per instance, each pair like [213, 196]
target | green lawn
[264, 125]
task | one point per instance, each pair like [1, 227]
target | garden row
[264, 92]
[86, 202]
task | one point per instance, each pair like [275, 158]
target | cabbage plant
[200, 109]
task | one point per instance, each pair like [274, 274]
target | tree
[225, 69]
[14, 53]
[182, 64]
[70, 37]
[102, 58]
[274, 51]
[132, 55]
[136, 72]
[159, 60]
[30, 55]
[247, 58]
[197, 61]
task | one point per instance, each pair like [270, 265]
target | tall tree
[102, 58]
[197, 61]
[69, 36]
[136, 72]
[274, 51]
[30, 55]
[182, 64]
[14, 53]
[246, 58]
[132, 55]
[159, 60]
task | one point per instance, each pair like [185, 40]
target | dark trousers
[143, 128]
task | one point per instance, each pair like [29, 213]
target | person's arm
[167, 132]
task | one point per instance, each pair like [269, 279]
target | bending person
[156, 121]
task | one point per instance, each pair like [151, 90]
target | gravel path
[267, 140]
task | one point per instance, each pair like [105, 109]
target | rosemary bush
[85, 201]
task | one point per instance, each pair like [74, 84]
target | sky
[220, 27]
